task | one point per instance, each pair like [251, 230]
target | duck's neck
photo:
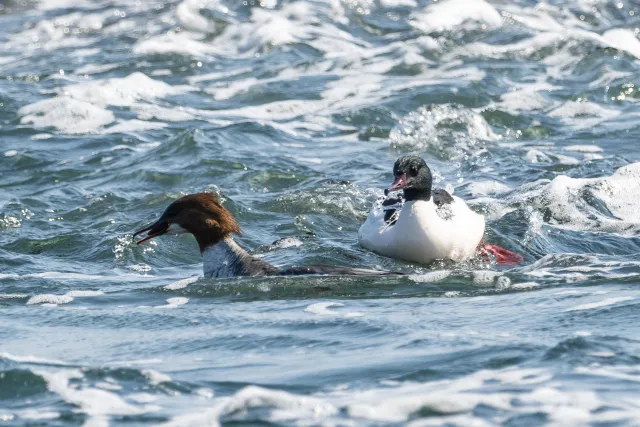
[411, 194]
[227, 259]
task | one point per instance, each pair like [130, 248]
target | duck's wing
[332, 270]
[391, 207]
[441, 198]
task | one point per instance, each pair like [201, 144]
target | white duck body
[424, 232]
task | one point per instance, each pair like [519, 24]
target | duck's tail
[501, 255]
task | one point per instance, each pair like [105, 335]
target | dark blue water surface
[294, 112]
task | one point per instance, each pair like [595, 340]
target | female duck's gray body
[212, 225]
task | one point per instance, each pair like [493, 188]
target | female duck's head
[413, 176]
[200, 214]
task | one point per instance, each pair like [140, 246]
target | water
[294, 112]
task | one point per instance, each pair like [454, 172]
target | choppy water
[295, 111]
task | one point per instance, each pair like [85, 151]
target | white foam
[567, 200]
[207, 393]
[141, 268]
[397, 3]
[585, 148]
[503, 282]
[583, 114]
[82, 53]
[8, 221]
[80, 293]
[13, 296]
[352, 314]
[443, 127]
[228, 90]
[10, 153]
[66, 114]
[50, 35]
[92, 401]
[108, 386]
[485, 277]
[570, 292]
[142, 397]
[536, 156]
[524, 286]
[599, 304]
[49, 299]
[188, 12]
[155, 377]
[62, 4]
[180, 284]
[526, 46]
[453, 14]
[183, 43]
[288, 242]
[174, 302]
[95, 68]
[151, 111]
[124, 91]
[162, 72]
[487, 187]
[623, 39]
[286, 406]
[450, 401]
[134, 126]
[322, 308]
[527, 97]
[621, 372]
[32, 359]
[431, 277]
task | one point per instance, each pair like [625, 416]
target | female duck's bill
[156, 229]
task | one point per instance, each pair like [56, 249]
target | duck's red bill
[154, 230]
[399, 183]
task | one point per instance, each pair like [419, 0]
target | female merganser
[428, 225]
[212, 225]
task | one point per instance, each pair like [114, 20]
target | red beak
[399, 183]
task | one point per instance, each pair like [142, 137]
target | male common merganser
[428, 225]
[212, 225]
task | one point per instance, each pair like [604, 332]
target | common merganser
[212, 225]
[428, 225]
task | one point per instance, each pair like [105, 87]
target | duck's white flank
[220, 260]
[422, 234]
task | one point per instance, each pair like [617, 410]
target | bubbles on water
[503, 282]
[66, 114]
[605, 204]
[448, 15]
[7, 221]
[50, 299]
[447, 131]
[334, 198]
[121, 244]
[142, 268]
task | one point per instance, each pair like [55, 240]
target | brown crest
[201, 214]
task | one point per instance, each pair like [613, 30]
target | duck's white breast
[424, 233]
